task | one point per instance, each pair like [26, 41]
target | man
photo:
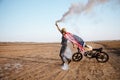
[64, 45]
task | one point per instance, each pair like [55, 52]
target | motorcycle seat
[98, 49]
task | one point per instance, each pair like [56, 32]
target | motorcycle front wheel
[77, 56]
[102, 57]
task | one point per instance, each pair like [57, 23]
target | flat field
[41, 61]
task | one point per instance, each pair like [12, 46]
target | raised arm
[57, 26]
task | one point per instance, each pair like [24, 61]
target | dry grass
[40, 61]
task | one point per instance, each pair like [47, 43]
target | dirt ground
[41, 61]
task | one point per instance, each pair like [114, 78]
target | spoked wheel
[102, 57]
[77, 56]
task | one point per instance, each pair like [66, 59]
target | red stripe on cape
[70, 37]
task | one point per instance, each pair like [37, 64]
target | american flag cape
[70, 37]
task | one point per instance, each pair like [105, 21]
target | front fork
[78, 49]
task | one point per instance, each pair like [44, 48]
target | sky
[34, 20]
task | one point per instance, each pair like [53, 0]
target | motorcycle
[99, 54]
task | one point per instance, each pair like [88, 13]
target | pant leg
[62, 50]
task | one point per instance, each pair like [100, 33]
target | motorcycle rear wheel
[102, 57]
